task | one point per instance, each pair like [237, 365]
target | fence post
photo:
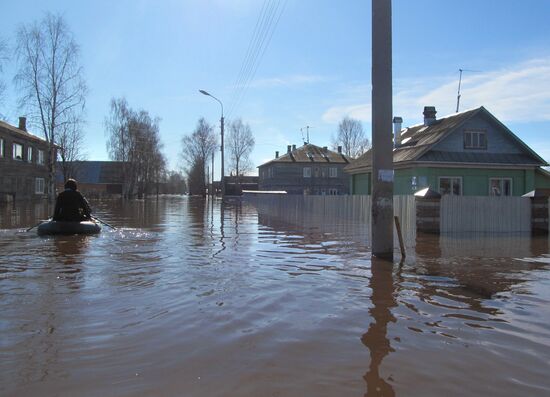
[428, 205]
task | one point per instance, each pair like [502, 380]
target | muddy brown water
[194, 298]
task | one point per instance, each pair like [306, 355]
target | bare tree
[71, 152]
[196, 150]
[351, 137]
[134, 140]
[3, 59]
[51, 80]
[240, 143]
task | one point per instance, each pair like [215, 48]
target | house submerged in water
[469, 153]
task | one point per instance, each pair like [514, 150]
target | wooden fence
[345, 214]
[485, 214]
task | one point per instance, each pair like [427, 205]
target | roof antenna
[307, 127]
[459, 82]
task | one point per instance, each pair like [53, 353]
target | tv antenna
[459, 83]
[307, 127]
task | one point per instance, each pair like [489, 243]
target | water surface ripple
[195, 298]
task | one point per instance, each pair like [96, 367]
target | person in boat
[71, 206]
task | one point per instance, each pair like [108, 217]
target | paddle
[102, 222]
[39, 223]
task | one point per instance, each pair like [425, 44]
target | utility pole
[382, 147]
[222, 176]
[212, 187]
[222, 182]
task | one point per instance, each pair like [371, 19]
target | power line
[266, 24]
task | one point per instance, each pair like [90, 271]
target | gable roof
[417, 142]
[309, 153]
[24, 134]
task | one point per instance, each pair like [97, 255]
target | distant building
[96, 178]
[308, 169]
[23, 163]
[469, 153]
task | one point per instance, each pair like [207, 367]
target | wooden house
[23, 163]
[470, 153]
[308, 169]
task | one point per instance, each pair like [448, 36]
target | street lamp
[222, 175]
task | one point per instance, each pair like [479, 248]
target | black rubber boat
[56, 227]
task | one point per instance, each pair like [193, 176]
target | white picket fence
[485, 214]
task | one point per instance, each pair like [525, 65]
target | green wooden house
[469, 153]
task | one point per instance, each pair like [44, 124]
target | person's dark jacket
[71, 206]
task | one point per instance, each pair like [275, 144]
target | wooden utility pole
[382, 146]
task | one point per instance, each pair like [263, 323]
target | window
[307, 172]
[17, 151]
[316, 170]
[39, 186]
[450, 185]
[29, 154]
[40, 157]
[500, 186]
[475, 139]
[333, 172]
[1, 148]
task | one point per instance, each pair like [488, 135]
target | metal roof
[309, 153]
[418, 140]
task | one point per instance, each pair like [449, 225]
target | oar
[102, 222]
[39, 223]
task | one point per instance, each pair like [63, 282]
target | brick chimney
[339, 149]
[293, 147]
[277, 154]
[429, 115]
[288, 148]
[325, 148]
[23, 123]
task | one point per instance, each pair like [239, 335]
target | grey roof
[419, 139]
[309, 153]
[96, 172]
[22, 133]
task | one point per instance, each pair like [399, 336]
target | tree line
[53, 91]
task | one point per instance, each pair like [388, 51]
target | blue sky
[315, 70]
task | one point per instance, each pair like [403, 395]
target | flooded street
[195, 298]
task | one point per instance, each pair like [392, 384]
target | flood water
[195, 298]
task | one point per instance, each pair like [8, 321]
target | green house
[469, 153]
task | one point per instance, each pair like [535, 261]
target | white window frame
[500, 179]
[29, 154]
[307, 172]
[39, 186]
[14, 151]
[459, 178]
[1, 147]
[333, 172]
[476, 136]
[40, 159]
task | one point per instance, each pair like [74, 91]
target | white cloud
[291, 80]
[360, 112]
[517, 93]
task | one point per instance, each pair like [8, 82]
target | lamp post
[221, 121]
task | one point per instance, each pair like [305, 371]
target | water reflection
[376, 338]
[247, 302]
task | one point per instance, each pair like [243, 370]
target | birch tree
[351, 137]
[50, 79]
[196, 150]
[240, 144]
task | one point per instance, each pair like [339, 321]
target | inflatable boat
[57, 227]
